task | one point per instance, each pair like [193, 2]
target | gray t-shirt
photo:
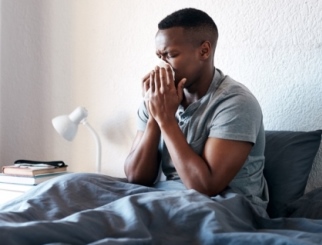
[228, 111]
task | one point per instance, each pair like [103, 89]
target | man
[205, 129]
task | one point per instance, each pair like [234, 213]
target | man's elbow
[139, 180]
[208, 190]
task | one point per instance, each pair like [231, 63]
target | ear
[205, 50]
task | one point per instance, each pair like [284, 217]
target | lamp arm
[98, 145]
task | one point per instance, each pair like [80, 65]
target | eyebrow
[165, 51]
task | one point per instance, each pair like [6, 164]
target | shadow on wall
[119, 129]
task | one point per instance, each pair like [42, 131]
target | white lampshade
[67, 125]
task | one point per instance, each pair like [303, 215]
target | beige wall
[59, 54]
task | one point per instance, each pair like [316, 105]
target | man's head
[187, 39]
[197, 24]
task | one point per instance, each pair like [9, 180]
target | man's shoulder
[230, 84]
[232, 97]
[231, 90]
[234, 90]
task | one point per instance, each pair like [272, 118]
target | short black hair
[193, 20]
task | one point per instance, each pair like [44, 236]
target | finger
[146, 93]
[170, 77]
[180, 88]
[147, 76]
[163, 80]
[152, 78]
[157, 80]
[168, 68]
[145, 86]
[170, 74]
[145, 80]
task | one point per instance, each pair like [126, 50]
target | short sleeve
[238, 116]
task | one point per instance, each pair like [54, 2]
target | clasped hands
[161, 94]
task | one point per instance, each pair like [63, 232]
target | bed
[87, 208]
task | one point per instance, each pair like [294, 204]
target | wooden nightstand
[11, 191]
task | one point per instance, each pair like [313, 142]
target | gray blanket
[97, 209]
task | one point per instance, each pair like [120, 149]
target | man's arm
[212, 172]
[221, 159]
[142, 164]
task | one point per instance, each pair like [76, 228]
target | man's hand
[164, 97]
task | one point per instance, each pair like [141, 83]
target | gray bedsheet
[97, 209]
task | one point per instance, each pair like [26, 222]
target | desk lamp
[67, 125]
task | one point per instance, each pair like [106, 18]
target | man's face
[173, 46]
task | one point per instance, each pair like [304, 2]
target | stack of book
[26, 172]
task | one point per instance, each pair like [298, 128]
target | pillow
[289, 156]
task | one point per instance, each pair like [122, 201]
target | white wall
[0, 76]
[58, 54]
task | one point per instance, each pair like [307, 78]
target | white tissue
[161, 64]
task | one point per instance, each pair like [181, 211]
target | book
[32, 170]
[27, 180]
[15, 187]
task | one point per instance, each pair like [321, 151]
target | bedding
[85, 208]
[308, 206]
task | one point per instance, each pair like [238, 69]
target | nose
[163, 59]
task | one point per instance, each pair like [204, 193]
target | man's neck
[193, 94]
